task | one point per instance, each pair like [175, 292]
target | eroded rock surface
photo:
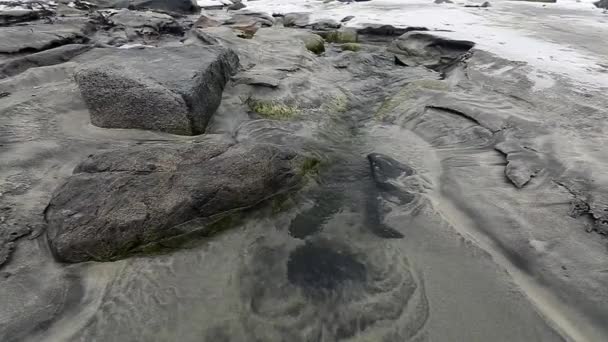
[37, 37]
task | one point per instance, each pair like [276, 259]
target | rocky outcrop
[174, 89]
[180, 6]
[38, 37]
[415, 48]
[119, 201]
[54, 56]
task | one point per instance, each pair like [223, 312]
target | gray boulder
[118, 202]
[173, 89]
[180, 6]
[38, 37]
[601, 4]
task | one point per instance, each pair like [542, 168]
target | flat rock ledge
[174, 89]
[119, 201]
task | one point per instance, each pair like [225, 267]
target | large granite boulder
[180, 6]
[174, 89]
[119, 201]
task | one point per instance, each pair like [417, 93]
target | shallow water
[426, 239]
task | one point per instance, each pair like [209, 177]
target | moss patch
[310, 166]
[337, 104]
[314, 43]
[342, 36]
[351, 47]
[271, 109]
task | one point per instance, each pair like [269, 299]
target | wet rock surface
[37, 37]
[334, 192]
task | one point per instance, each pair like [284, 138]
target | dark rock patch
[38, 37]
[347, 18]
[119, 201]
[318, 268]
[179, 6]
[236, 5]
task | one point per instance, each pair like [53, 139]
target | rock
[485, 5]
[314, 43]
[38, 37]
[433, 52]
[387, 30]
[144, 22]
[119, 201]
[204, 37]
[295, 19]
[325, 25]
[251, 18]
[13, 16]
[263, 78]
[347, 18]
[204, 22]
[174, 89]
[13, 12]
[180, 6]
[601, 4]
[343, 35]
[547, 1]
[237, 5]
[351, 47]
[443, 2]
[54, 56]
[246, 31]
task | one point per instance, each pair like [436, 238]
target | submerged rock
[174, 90]
[119, 201]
